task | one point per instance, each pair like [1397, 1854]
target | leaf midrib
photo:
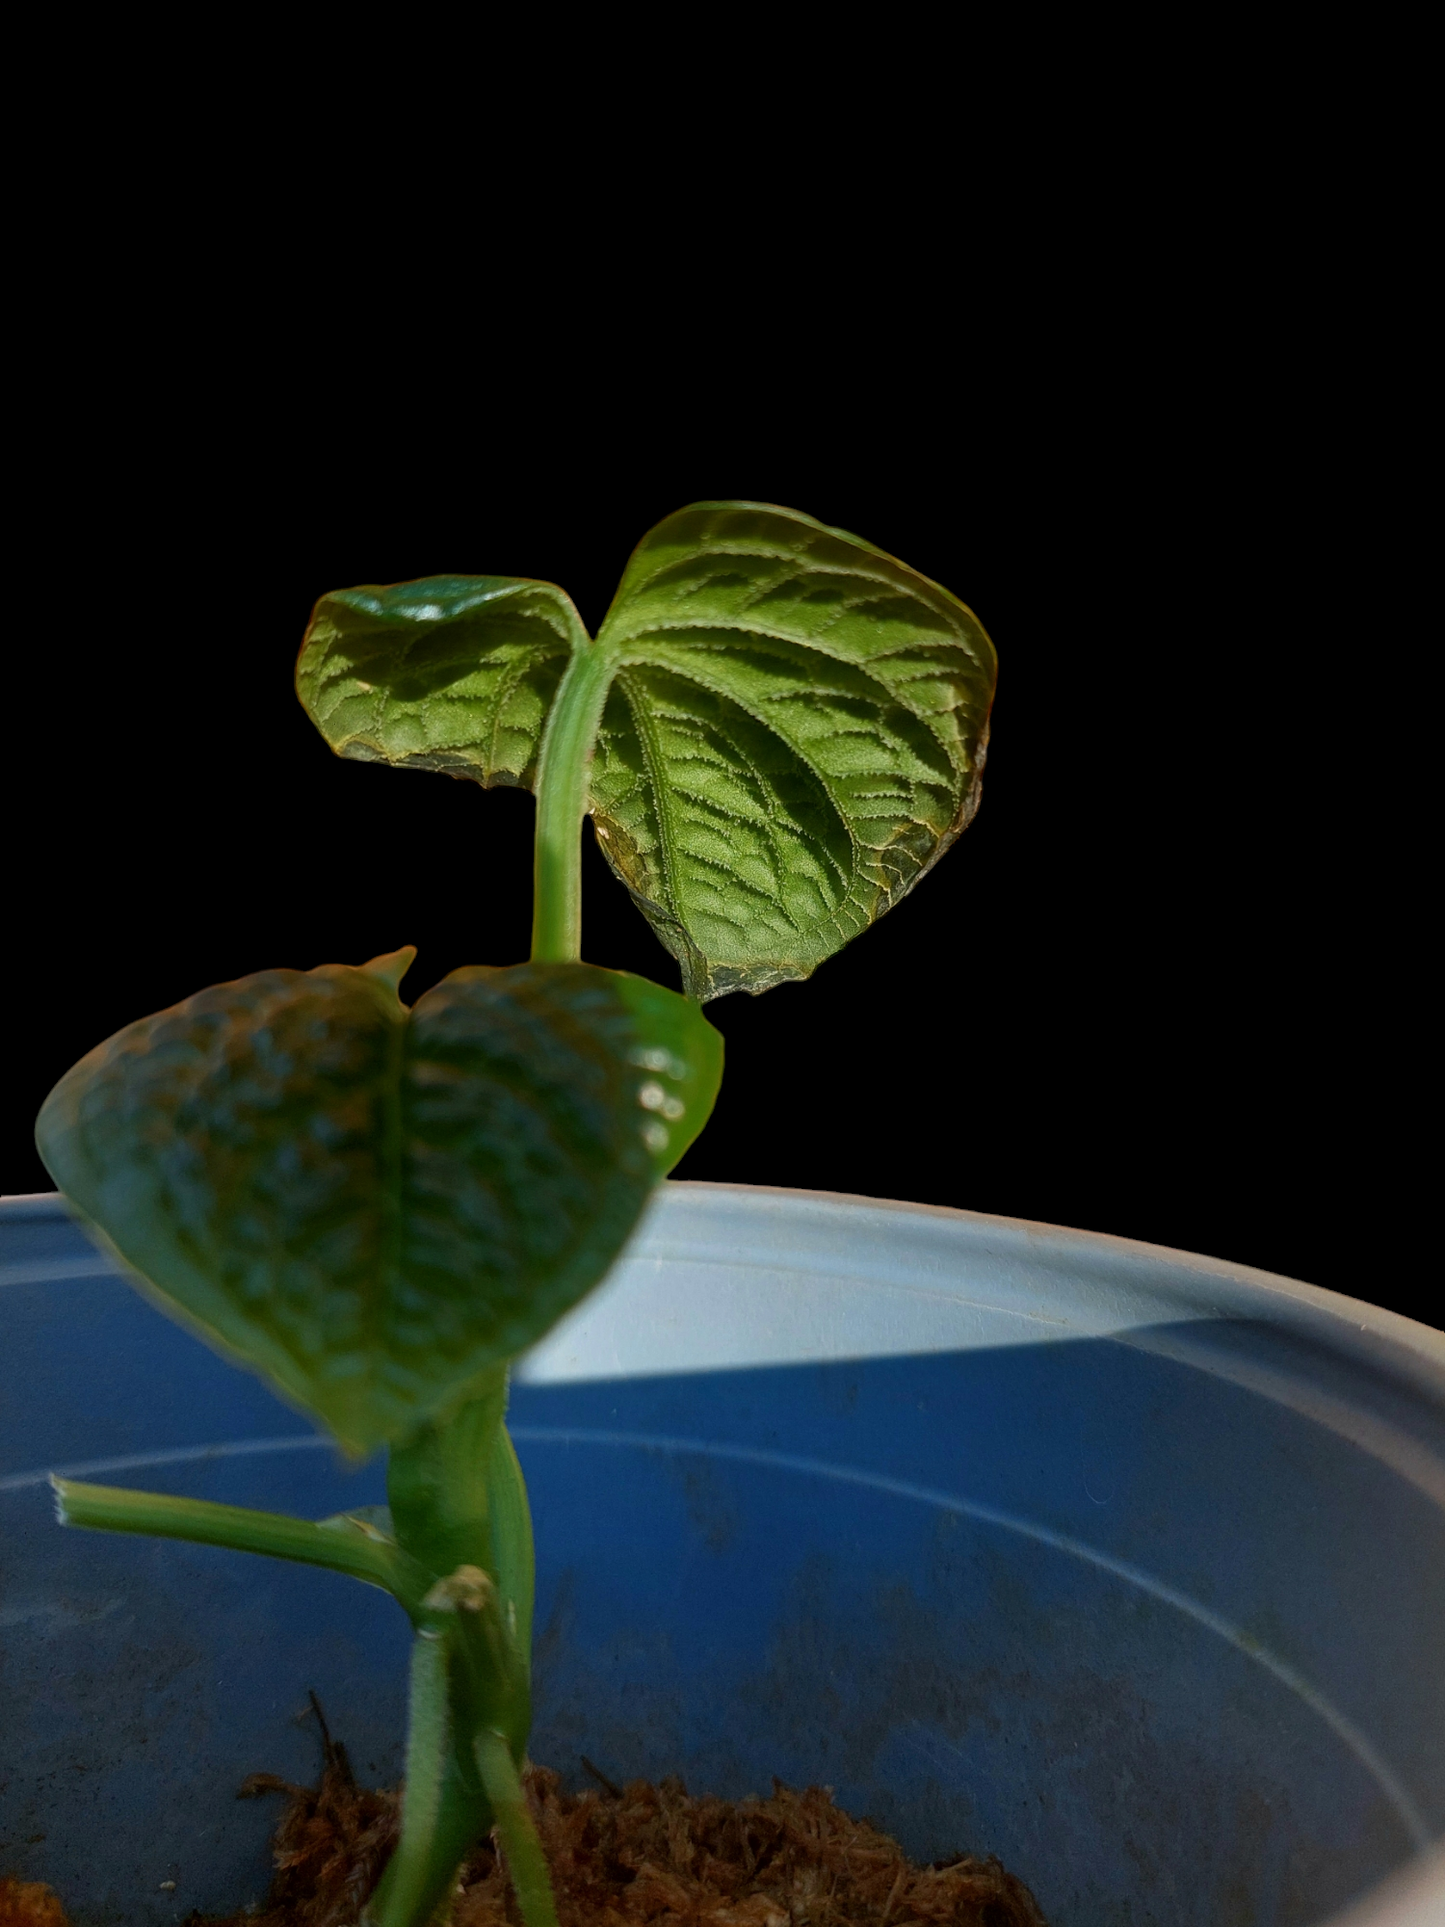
[887, 697]
[652, 755]
[766, 722]
[644, 724]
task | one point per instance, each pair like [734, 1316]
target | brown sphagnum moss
[29, 1903]
[647, 1856]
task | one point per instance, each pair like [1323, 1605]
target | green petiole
[342, 1545]
[562, 772]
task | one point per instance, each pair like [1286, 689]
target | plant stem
[111, 1508]
[436, 1481]
[511, 1522]
[526, 1862]
[562, 770]
[432, 1843]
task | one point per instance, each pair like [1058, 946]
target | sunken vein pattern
[796, 734]
[452, 673]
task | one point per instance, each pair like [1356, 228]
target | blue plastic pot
[1126, 1565]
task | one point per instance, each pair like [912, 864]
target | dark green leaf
[453, 673]
[374, 1206]
[796, 733]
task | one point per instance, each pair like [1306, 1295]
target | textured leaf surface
[373, 1206]
[796, 733]
[451, 673]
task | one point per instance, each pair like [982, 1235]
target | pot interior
[1124, 1565]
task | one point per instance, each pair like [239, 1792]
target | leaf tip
[392, 966]
[59, 1489]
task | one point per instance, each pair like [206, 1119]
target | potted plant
[777, 731]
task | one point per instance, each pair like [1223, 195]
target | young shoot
[776, 731]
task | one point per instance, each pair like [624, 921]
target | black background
[1128, 1000]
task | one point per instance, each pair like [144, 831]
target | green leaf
[453, 673]
[796, 733]
[373, 1207]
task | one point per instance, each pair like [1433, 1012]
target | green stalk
[562, 772]
[340, 1547]
[511, 1521]
[439, 1818]
[526, 1861]
[459, 1509]
[436, 1482]
[427, 1736]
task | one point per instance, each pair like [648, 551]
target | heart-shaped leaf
[371, 1206]
[454, 673]
[795, 734]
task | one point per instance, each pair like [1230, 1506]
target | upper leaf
[372, 1206]
[454, 673]
[796, 733]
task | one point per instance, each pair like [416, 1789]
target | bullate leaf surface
[453, 673]
[795, 734]
[374, 1206]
